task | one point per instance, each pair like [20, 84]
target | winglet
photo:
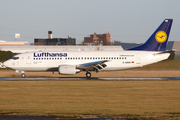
[158, 40]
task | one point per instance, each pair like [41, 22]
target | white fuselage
[117, 60]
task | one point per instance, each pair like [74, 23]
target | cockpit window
[15, 58]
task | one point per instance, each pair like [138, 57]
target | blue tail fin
[158, 40]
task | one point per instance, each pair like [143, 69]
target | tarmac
[84, 78]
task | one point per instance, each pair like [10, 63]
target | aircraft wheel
[88, 74]
[23, 75]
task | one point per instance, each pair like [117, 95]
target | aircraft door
[138, 59]
[28, 59]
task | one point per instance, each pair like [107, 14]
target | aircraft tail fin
[158, 40]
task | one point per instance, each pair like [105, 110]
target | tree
[171, 57]
[5, 55]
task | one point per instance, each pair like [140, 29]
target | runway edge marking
[93, 78]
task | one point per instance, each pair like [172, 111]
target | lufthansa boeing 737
[69, 63]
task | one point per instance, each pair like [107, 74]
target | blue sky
[127, 20]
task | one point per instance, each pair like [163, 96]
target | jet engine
[67, 69]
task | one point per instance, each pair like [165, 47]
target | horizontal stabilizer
[165, 52]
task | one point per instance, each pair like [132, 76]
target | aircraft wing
[93, 66]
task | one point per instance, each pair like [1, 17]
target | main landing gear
[23, 75]
[88, 75]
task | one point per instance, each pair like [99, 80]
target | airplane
[73, 62]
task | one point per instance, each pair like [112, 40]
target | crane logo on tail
[161, 36]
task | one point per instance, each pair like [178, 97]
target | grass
[4, 69]
[114, 99]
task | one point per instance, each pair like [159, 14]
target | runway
[84, 78]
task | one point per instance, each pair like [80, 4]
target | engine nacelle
[67, 69]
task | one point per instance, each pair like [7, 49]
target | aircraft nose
[6, 63]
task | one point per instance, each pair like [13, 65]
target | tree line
[5, 55]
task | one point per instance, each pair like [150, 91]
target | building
[175, 46]
[32, 48]
[126, 46]
[98, 39]
[55, 41]
[4, 43]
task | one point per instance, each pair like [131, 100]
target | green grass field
[113, 99]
